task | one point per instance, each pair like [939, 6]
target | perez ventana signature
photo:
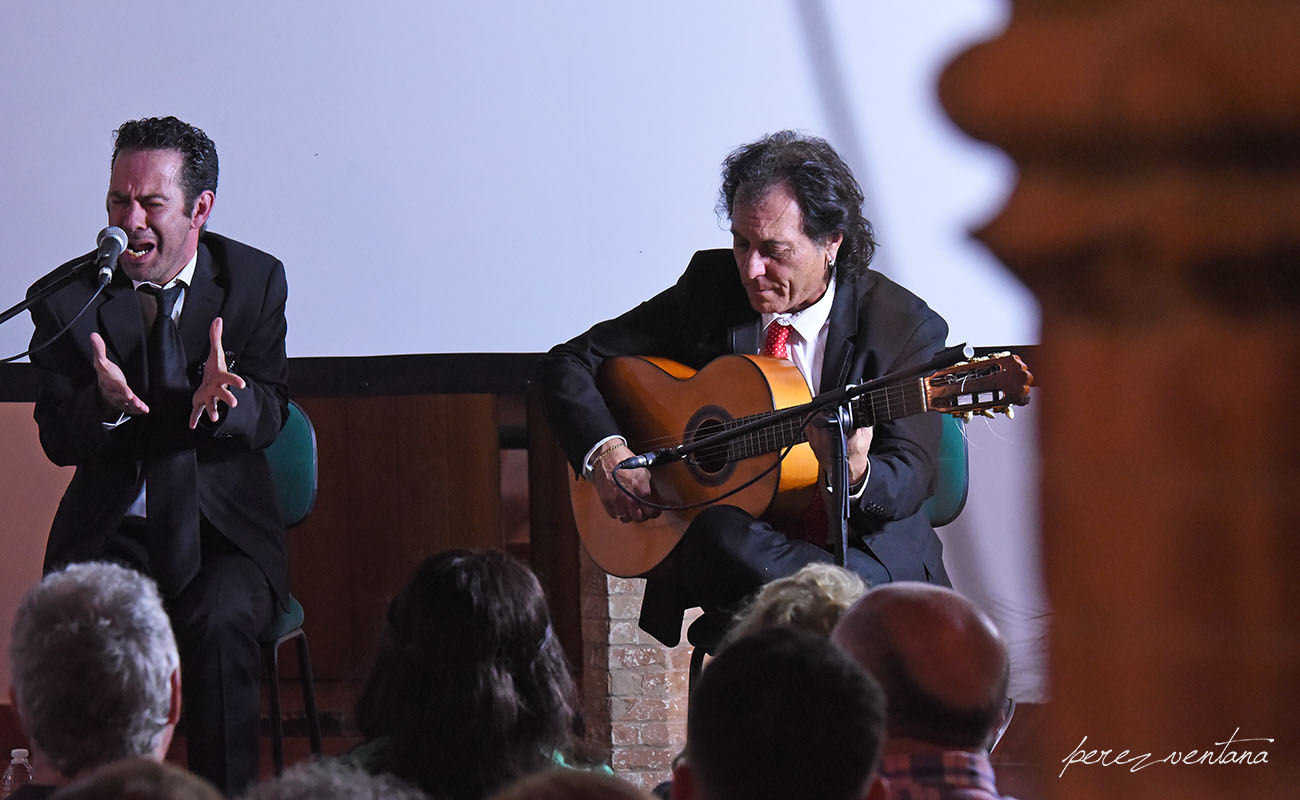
[1124, 758]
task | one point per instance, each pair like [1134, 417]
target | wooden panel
[554, 537]
[30, 488]
[400, 478]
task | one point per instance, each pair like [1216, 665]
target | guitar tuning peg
[966, 416]
[984, 412]
[1009, 411]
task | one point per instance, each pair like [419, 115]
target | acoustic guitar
[658, 403]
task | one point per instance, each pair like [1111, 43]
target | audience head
[812, 599]
[940, 660]
[781, 713]
[333, 780]
[96, 674]
[138, 779]
[829, 197]
[570, 784]
[470, 688]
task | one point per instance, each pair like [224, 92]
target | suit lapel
[202, 304]
[743, 334]
[841, 337]
[122, 328]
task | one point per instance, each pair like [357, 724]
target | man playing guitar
[796, 285]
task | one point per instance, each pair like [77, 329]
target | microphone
[111, 242]
[665, 454]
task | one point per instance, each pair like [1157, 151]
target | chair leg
[309, 695]
[697, 663]
[271, 657]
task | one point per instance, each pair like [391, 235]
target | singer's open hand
[617, 504]
[217, 381]
[114, 391]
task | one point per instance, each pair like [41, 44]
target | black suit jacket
[247, 289]
[876, 327]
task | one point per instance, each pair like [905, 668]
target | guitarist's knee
[725, 554]
[717, 533]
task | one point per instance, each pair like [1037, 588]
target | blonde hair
[812, 599]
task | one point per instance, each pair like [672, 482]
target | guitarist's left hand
[859, 443]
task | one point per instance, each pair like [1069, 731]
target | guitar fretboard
[878, 405]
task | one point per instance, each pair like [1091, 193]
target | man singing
[796, 285]
[163, 394]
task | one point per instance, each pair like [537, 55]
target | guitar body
[660, 403]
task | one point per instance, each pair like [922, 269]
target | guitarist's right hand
[637, 481]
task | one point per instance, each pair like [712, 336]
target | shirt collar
[185, 277]
[809, 322]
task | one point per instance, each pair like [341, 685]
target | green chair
[952, 474]
[292, 457]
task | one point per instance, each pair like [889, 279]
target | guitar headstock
[982, 385]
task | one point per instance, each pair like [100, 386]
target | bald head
[940, 660]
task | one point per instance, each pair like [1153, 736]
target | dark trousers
[724, 557]
[216, 620]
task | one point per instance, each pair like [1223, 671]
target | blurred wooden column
[1157, 217]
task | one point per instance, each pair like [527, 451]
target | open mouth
[140, 249]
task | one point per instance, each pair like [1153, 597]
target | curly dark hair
[830, 198]
[199, 173]
[470, 688]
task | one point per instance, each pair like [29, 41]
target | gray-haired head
[333, 780]
[92, 657]
[812, 599]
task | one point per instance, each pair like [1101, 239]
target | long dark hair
[830, 198]
[470, 688]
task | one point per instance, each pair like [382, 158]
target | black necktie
[171, 475]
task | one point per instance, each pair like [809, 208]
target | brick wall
[634, 688]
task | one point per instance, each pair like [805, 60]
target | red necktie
[775, 345]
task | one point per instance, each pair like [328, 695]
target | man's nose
[753, 265]
[133, 217]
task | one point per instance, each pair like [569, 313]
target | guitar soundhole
[710, 465]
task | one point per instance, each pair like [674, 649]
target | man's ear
[683, 782]
[833, 246]
[202, 209]
[174, 711]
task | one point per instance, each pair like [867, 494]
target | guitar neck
[894, 401]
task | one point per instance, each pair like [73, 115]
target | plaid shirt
[947, 775]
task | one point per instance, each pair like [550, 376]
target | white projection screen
[495, 176]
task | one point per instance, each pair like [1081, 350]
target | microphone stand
[47, 289]
[840, 421]
[837, 519]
